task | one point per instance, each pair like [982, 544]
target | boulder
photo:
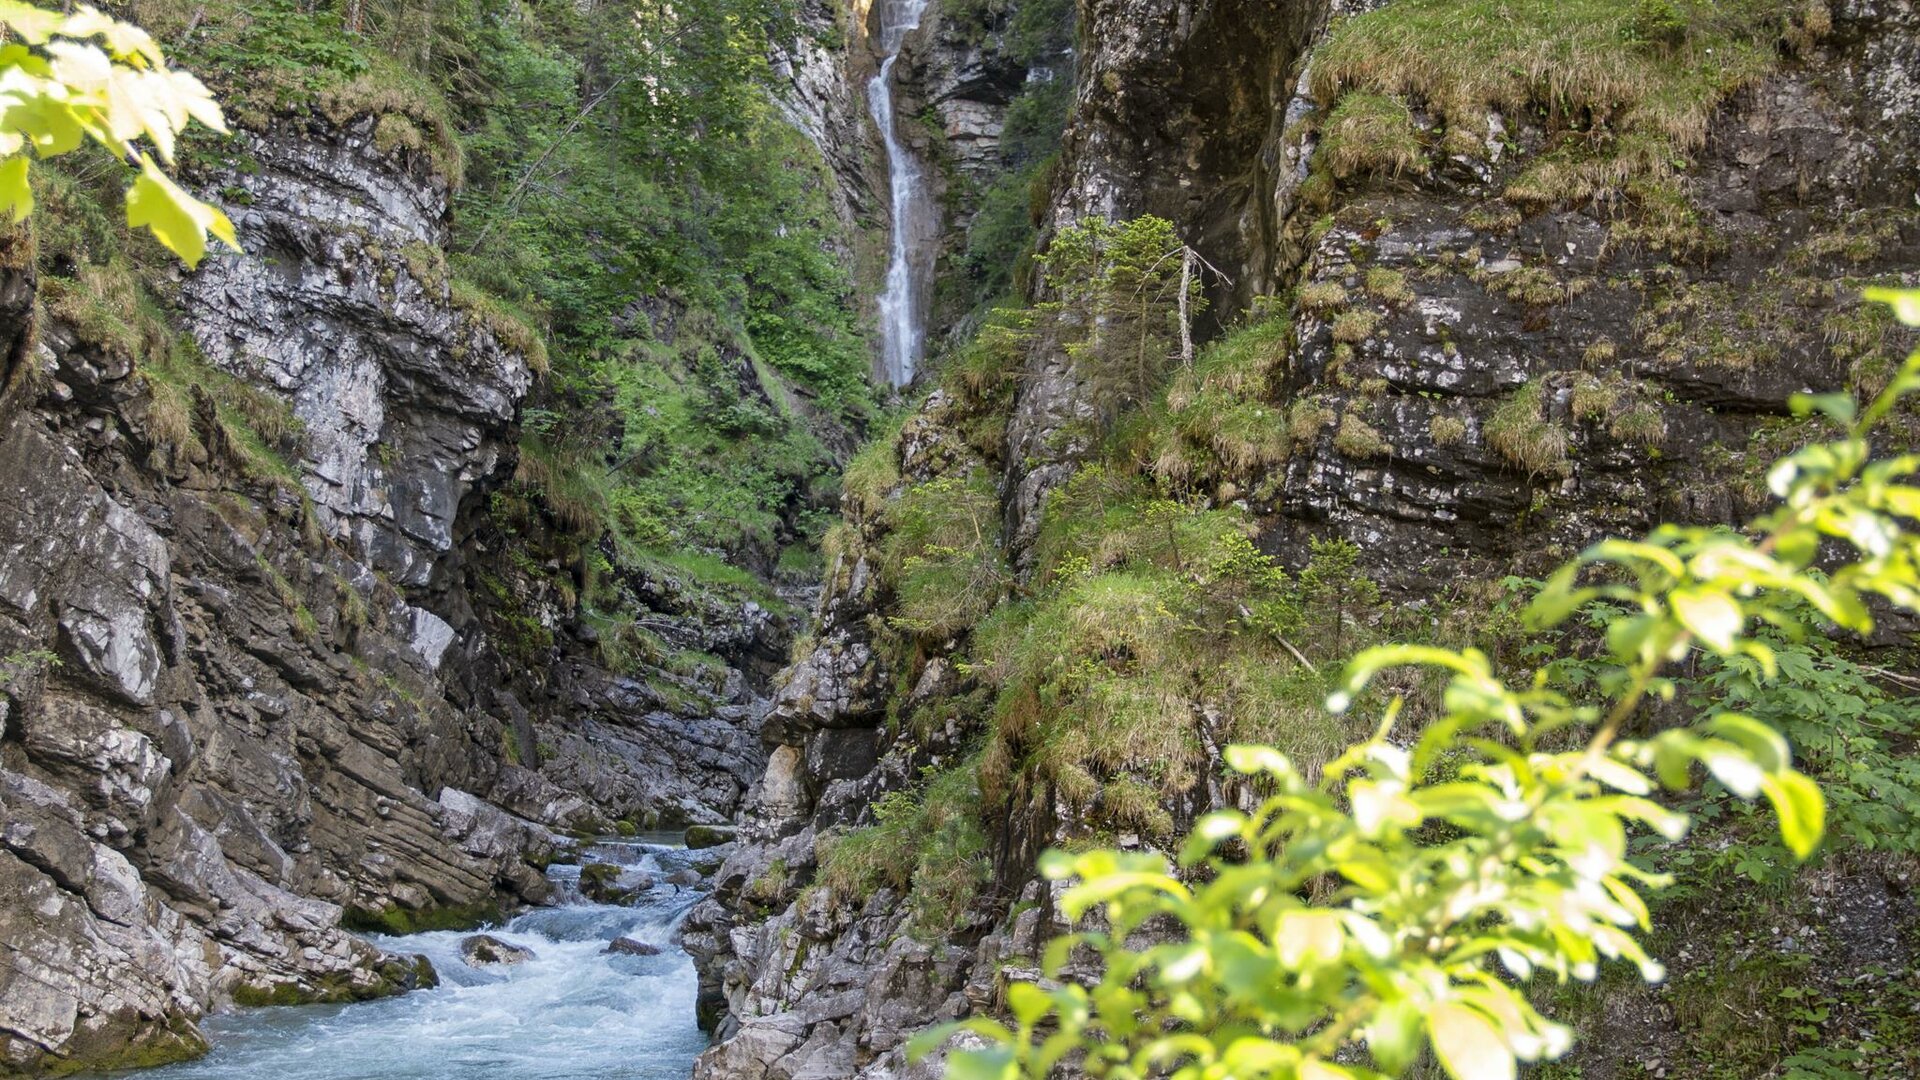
[485, 950]
[626, 946]
[706, 836]
[610, 883]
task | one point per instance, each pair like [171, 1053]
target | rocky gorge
[345, 588]
[1475, 361]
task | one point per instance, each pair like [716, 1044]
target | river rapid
[572, 1011]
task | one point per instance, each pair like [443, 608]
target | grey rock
[485, 950]
[625, 946]
[706, 836]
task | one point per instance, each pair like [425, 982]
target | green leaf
[1905, 303]
[1557, 599]
[1713, 616]
[1769, 750]
[1839, 406]
[993, 1063]
[178, 220]
[51, 126]
[1734, 768]
[1393, 1035]
[1801, 808]
[1253, 760]
[1467, 1043]
[930, 1040]
[1620, 777]
[15, 192]
[1028, 1002]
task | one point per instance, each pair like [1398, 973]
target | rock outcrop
[485, 950]
[251, 696]
[223, 734]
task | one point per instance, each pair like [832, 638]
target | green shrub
[941, 553]
[927, 843]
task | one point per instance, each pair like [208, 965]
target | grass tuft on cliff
[1631, 83]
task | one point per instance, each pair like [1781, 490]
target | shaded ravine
[572, 1011]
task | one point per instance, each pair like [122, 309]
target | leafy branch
[59, 88]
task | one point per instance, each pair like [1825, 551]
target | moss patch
[397, 921]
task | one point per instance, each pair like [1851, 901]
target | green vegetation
[1358, 439]
[1355, 327]
[1446, 430]
[58, 67]
[107, 285]
[1409, 898]
[1371, 133]
[632, 215]
[1520, 431]
[942, 554]
[1115, 305]
[273, 59]
[1220, 420]
[1624, 87]
[1000, 238]
[926, 843]
[613, 155]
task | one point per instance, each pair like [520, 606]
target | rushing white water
[902, 332]
[572, 1012]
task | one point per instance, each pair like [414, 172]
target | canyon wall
[1469, 377]
[255, 691]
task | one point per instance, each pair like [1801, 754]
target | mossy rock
[110, 1050]
[706, 836]
[395, 974]
[399, 921]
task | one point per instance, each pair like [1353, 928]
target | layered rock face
[222, 727]
[1430, 312]
[247, 694]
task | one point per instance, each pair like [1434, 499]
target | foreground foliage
[1405, 898]
[78, 77]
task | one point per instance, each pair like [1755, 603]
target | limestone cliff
[251, 695]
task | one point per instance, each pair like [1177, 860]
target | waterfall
[902, 335]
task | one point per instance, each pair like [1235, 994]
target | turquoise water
[571, 1012]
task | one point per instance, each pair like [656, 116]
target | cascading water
[902, 333]
[573, 1011]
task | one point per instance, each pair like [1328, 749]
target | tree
[1121, 297]
[69, 78]
[1408, 897]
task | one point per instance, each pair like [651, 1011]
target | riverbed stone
[626, 946]
[485, 950]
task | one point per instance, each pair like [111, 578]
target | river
[572, 1011]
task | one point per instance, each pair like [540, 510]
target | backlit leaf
[16, 194]
[1713, 616]
[1801, 808]
[1467, 1044]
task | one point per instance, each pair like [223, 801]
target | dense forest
[1395, 554]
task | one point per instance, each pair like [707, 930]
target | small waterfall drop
[902, 332]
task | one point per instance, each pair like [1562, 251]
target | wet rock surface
[629, 947]
[485, 950]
